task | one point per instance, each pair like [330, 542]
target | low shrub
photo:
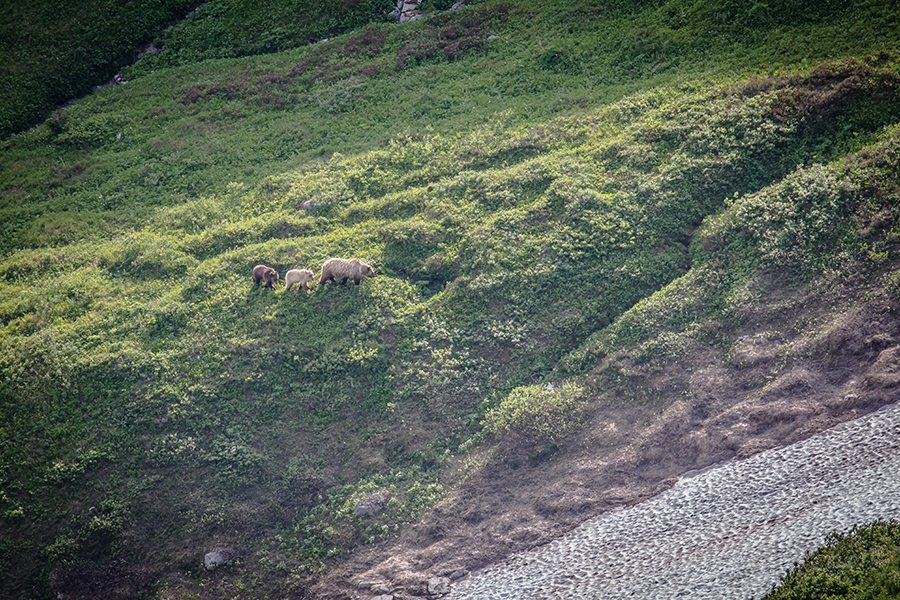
[863, 564]
[538, 415]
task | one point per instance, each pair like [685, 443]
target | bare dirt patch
[807, 358]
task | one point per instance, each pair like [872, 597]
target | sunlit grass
[575, 188]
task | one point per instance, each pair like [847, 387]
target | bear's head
[365, 269]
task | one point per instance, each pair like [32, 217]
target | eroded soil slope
[810, 355]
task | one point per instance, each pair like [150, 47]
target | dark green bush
[556, 61]
[51, 53]
[234, 28]
[538, 415]
[863, 564]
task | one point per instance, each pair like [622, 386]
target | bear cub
[267, 274]
[299, 276]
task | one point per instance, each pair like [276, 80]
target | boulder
[438, 586]
[218, 557]
[407, 10]
[371, 504]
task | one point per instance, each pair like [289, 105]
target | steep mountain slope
[50, 54]
[606, 252]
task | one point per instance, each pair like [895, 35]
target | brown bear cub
[300, 276]
[267, 274]
[344, 269]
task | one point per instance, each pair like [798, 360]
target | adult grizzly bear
[267, 274]
[300, 276]
[344, 269]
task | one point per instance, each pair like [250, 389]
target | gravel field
[729, 532]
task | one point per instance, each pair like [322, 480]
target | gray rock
[458, 574]
[384, 597]
[218, 557]
[371, 505]
[407, 10]
[438, 586]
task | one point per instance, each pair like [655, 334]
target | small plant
[556, 61]
[340, 96]
[236, 464]
[538, 415]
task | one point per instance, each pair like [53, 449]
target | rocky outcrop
[408, 10]
[438, 586]
[371, 504]
[220, 556]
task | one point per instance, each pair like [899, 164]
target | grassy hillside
[574, 211]
[50, 54]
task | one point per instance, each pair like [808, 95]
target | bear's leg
[343, 281]
[356, 280]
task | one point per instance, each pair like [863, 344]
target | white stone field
[730, 532]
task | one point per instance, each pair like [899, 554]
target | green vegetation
[862, 564]
[50, 54]
[536, 415]
[537, 185]
[234, 28]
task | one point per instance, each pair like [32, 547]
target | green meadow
[540, 187]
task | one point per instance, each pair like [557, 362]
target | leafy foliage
[51, 53]
[861, 564]
[531, 204]
[235, 28]
[538, 415]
